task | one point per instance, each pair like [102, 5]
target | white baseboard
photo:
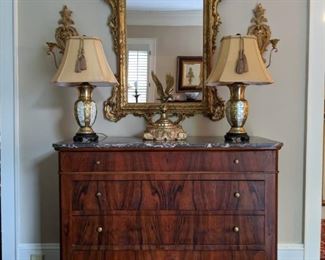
[49, 251]
[52, 251]
[290, 252]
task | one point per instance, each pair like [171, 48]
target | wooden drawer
[229, 195]
[99, 196]
[89, 197]
[182, 232]
[169, 161]
[169, 255]
[89, 255]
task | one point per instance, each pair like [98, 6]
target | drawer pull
[99, 229]
[98, 162]
[98, 194]
[236, 229]
[237, 195]
[236, 161]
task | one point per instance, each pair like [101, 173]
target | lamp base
[85, 112]
[237, 112]
[85, 138]
[237, 138]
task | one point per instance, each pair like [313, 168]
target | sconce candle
[239, 64]
[84, 65]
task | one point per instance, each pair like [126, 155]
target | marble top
[190, 142]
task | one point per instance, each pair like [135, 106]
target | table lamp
[84, 65]
[239, 64]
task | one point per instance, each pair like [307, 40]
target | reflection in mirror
[165, 37]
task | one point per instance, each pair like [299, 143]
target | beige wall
[277, 111]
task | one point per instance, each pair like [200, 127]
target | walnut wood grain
[169, 255]
[115, 195]
[271, 212]
[168, 204]
[154, 161]
[176, 230]
[221, 195]
[167, 195]
[97, 196]
[65, 217]
[89, 255]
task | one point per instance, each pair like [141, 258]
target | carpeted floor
[322, 253]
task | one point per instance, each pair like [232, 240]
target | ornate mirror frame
[117, 107]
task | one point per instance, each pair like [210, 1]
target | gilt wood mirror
[176, 38]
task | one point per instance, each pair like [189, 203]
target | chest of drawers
[128, 200]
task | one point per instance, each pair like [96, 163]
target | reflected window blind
[138, 67]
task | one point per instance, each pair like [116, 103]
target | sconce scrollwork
[62, 33]
[263, 33]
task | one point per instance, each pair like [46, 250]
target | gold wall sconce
[263, 33]
[62, 34]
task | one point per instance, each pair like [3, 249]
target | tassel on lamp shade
[239, 64]
[84, 65]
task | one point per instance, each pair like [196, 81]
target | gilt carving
[216, 22]
[262, 31]
[62, 33]
[216, 105]
[113, 105]
[113, 24]
[112, 109]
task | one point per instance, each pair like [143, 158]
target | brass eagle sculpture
[167, 93]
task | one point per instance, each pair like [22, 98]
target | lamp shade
[84, 61]
[232, 51]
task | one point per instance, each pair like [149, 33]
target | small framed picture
[189, 73]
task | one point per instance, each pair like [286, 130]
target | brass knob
[99, 229]
[236, 161]
[236, 229]
[237, 195]
[99, 194]
[98, 162]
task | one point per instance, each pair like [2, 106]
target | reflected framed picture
[189, 73]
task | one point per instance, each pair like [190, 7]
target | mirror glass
[166, 37]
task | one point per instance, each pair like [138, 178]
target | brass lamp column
[239, 64]
[84, 65]
[85, 112]
[237, 112]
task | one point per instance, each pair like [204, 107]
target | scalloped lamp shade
[225, 73]
[97, 69]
